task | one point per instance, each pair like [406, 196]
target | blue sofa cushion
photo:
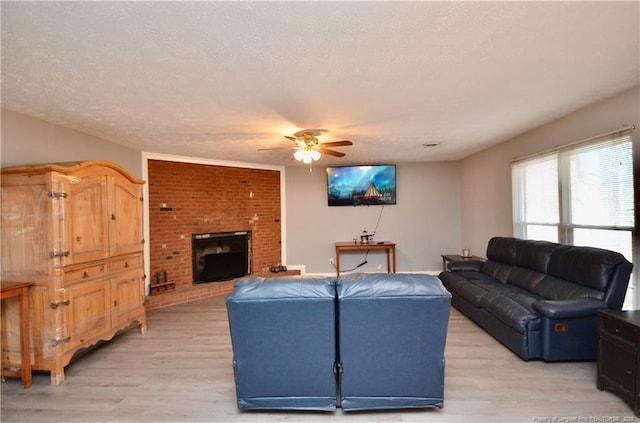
[553, 288]
[591, 267]
[475, 289]
[472, 293]
[514, 310]
[525, 278]
[534, 255]
[497, 270]
[502, 249]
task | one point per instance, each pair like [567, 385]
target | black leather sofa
[538, 298]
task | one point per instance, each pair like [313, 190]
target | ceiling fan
[309, 149]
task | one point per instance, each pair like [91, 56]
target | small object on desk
[466, 252]
[366, 238]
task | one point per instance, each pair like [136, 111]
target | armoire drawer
[128, 262]
[84, 272]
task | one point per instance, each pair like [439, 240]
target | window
[581, 194]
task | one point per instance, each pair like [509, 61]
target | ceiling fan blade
[331, 152]
[274, 148]
[343, 143]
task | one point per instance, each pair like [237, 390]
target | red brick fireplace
[187, 199]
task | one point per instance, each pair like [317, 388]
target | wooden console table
[21, 290]
[389, 247]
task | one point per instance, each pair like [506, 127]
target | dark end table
[446, 258]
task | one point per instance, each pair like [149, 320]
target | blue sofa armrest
[568, 309]
[457, 266]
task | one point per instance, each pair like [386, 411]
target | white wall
[26, 140]
[442, 206]
[424, 223]
[485, 196]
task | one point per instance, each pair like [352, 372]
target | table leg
[388, 261]
[337, 261]
[25, 341]
[393, 251]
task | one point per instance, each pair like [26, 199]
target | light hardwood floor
[180, 371]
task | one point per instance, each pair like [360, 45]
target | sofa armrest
[457, 266]
[567, 309]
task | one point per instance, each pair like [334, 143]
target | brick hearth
[198, 292]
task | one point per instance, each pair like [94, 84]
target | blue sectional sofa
[284, 344]
[360, 342]
[540, 298]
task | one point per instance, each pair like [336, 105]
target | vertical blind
[581, 194]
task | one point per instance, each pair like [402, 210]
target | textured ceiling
[221, 79]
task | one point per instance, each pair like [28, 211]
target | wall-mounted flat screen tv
[361, 185]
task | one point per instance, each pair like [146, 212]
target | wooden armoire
[75, 231]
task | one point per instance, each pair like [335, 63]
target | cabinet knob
[85, 275]
[126, 265]
[113, 216]
[60, 304]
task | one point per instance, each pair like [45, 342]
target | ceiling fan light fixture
[307, 155]
[308, 149]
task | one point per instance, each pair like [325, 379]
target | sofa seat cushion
[475, 289]
[472, 293]
[453, 281]
[478, 277]
[553, 288]
[513, 309]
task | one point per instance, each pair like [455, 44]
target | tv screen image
[361, 185]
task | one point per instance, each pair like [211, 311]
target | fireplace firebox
[220, 256]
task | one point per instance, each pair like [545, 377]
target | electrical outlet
[331, 260]
[379, 267]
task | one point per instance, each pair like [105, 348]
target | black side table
[618, 355]
[446, 258]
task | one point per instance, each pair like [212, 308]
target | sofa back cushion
[586, 266]
[502, 249]
[254, 288]
[497, 270]
[534, 255]
[525, 278]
